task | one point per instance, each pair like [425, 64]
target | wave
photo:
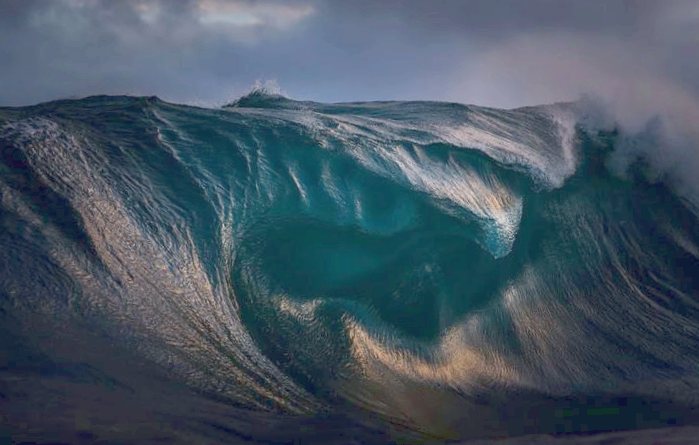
[441, 266]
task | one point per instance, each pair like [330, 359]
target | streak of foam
[497, 208]
[538, 140]
[155, 289]
[567, 334]
[457, 361]
[304, 311]
[541, 143]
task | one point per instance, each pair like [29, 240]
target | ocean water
[276, 271]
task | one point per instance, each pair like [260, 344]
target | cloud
[143, 19]
[505, 53]
[246, 14]
[182, 50]
[549, 67]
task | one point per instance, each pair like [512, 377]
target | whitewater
[277, 270]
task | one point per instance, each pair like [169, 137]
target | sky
[637, 54]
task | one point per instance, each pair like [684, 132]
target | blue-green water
[374, 272]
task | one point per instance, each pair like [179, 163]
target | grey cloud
[504, 53]
[178, 49]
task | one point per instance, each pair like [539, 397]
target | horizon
[255, 89]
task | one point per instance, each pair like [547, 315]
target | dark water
[278, 271]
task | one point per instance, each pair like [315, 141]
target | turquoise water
[401, 270]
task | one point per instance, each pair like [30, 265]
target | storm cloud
[636, 54]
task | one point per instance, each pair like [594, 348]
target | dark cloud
[503, 53]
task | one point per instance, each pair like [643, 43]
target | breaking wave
[398, 270]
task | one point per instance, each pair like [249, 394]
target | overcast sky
[490, 52]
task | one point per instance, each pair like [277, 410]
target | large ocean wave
[389, 271]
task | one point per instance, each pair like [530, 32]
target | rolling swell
[446, 267]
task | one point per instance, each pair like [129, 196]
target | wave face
[366, 272]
